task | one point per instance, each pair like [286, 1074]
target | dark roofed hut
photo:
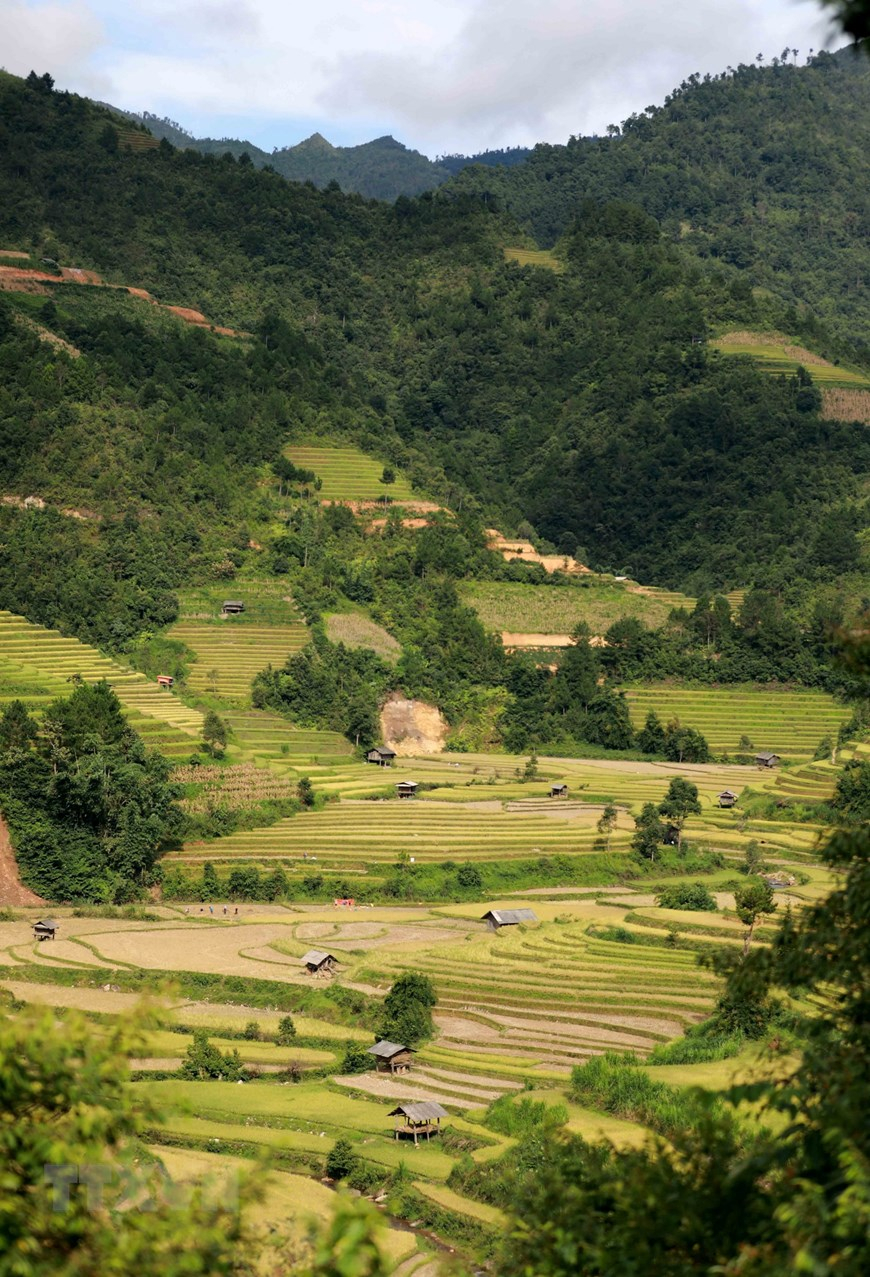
[392, 1057]
[381, 756]
[319, 962]
[423, 1117]
[727, 798]
[406, 789]
[559, 791]
[767, 759]
[498, 918]
[45, 929]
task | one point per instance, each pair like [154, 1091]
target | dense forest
[764, 168]
[382, 169]
[584, 401]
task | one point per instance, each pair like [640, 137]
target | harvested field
[839, 404]
[355, 630]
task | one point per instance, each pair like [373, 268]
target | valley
[439, 624]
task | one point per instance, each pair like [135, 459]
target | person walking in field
[211, 909]
[225, 911]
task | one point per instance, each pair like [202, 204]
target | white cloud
[56, 37]
[440, 74]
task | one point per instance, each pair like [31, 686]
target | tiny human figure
[211, 908]
[225, 911]
[236, 912]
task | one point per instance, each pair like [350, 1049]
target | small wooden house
[559, 791]
[767, 759]
[381, 756]
[319, 963]
[392, 1057]
[498, 918]
[232, 607]
[165, 680]
[727, 798]
[423, 1117]
[406, 789]
[45, 929]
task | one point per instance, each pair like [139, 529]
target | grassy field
[778, 355]
[541, 257]
[37, 665]
[349, 474]
[544, 609]
[355, 629]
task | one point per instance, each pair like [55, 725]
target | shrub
[251, 1031]
[341, 1159]
[518, 1117]
[686, 895]
[286, 1030]
[618, 1085]
[204, 1060]
[356, 1059]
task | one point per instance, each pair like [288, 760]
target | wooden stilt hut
[423, 1117]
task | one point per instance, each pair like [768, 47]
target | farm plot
[44, 663]
[349, 474]
[778, 355]
[790, 723]
[543, 609]
[272, 737]
[539, 999]
[228, 655]
[540, 257]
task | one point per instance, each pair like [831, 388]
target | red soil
[12, 889]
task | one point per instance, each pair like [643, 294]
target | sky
[440, 75]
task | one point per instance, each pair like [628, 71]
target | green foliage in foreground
[88, 807]
[521, 1116]
[70, 1138]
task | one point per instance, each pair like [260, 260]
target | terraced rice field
[349, 474]
[271, 738]
[788, 722]
[776, 354]
[37, 665]
[230, 650]
[541, 257]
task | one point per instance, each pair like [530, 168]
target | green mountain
[764, 169]
[382, 169]
[588, 400]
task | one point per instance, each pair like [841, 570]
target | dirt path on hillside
[12, 889]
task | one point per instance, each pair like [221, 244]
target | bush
[686, 895]
[251, 1031]
[518, 1117]
[618, 1085]
[341, 1159]
[205, 1061]
[356, 1059]
[286, 1030]
[408, 1006]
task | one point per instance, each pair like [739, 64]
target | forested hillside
[585, 400]
[765, 168]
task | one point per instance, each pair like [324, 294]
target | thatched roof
[421, 1111]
